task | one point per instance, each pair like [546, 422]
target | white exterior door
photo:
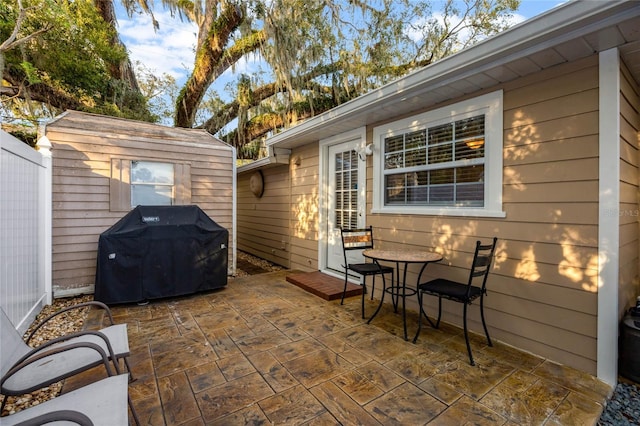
[345, 197]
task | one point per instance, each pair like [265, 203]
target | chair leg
[373, 285]
[439, 312]
[364, 291]
[484, 324]
[420, 313]
[384, 290]
[133, 410]
[126, 363]
[344, 291]
[466, 334]
[116, 365]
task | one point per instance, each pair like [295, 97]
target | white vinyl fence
[25, 229]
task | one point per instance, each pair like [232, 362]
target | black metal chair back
[356, 239]
[361, 239]
[480, 267]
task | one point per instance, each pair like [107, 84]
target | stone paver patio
[263, 351]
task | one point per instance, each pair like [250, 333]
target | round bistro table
[400, 289]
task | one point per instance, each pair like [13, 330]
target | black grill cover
[160, 251]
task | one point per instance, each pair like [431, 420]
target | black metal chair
[361, 239]
[464, 293]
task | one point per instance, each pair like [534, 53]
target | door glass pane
[346, 189]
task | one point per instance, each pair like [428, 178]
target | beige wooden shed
[104, 166]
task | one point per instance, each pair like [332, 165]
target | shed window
[447, 161]
[151, 183]
[140, 182]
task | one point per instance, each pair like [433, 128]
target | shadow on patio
[263, 351]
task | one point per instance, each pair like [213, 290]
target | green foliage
[159, 92]
[31, 72]
[323, 53]
[70, 60]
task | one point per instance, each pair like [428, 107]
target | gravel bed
[264, 264]
[624, 407]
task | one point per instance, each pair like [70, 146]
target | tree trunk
[40, 92]
[212, 58]
[267, 122]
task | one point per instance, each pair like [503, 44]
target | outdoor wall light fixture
[256, 184]
[365, 152]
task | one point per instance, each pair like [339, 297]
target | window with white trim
[141, 182]
[447, 161]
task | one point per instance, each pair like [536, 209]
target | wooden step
[323, 285]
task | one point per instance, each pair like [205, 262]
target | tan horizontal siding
[76, 248]
[441, 232]
[70, 223]
[263, 223]
[563, 347]
[74, 189]
[629, 215]
[558, 171]
[552, 109]
[543, 288]
[576, 213]
[572, 299]
[67, 270]
[304, 204]
[99, 196]
[69, 240]
[628, 173]
[77, 256]
[83, 173]
[80, 205]
[545, 150]
[551, 192]
[561, 81]
[628, 132]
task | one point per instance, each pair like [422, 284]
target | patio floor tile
[291, 407]
[235, 395]
[467, 411]
[264, 351]
[405, 405]
[342, 408]
[177, 399]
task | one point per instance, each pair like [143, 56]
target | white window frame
[491, 105]
[120, 182]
